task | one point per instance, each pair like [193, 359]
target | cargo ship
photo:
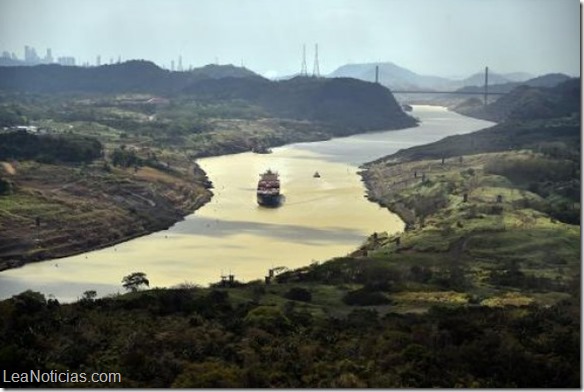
[268, 193]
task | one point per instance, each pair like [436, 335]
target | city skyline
[31, 57]
[449, 38]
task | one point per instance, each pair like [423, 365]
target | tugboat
[268, 192]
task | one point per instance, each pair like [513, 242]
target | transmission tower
[316, 69]
[486, 84]
[304, 68]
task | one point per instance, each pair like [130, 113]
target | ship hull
[269, 200]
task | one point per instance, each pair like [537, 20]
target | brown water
[320, 218]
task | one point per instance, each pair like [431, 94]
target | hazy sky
[438, 37]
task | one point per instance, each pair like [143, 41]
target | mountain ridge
[400, 78]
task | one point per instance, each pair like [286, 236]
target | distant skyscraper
[30, 55]
[180, 67]
[49, 56]
[66, 60]
[172, 65]
[119, 59]
[98, 60]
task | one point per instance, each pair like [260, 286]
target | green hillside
[527, 102]
[348, 104]
[482, 290]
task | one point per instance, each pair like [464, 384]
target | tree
[133, 281]
[210, 374]
[5, 187]
[89, 295]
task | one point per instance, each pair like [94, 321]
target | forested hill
[346, 104]
[531, 118]
[547, 80]
[527, 102]
[130, 76]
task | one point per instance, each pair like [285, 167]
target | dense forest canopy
[49, 148]
[343, 102]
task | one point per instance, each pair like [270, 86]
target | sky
[451, 38]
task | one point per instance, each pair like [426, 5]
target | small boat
[316, 175]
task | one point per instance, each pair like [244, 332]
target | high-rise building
[66, 60]
[172, 65]
[48, 57]
[98, 60]
[180, 67]
[30, 55]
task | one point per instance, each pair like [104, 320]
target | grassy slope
[509, 252]
[88, 207]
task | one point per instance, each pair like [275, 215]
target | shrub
[298, 294]
[5, 187]
[363, 297]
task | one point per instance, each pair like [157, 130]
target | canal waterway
[320, 218]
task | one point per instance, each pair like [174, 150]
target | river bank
[495, 222]
[231, 233]
[57, 211]
[82, 209]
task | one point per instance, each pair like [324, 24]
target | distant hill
[130, 76]
[518, 76]
[529, 116]
[548, 80]
[526, 102]
[346, 104]
[478, 79]
[400, 78]
[222, 71]
[390, 75]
